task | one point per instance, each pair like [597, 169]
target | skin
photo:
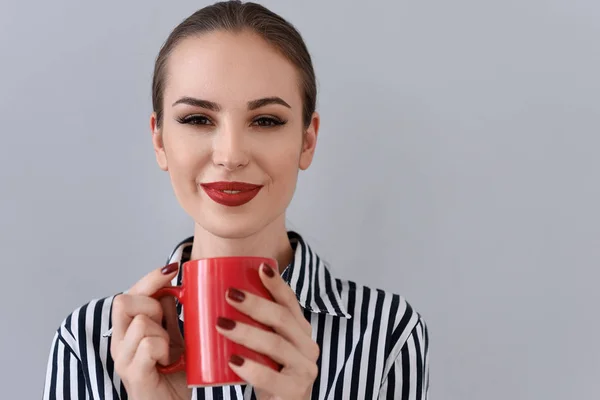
[235, 135]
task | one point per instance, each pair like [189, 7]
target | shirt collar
[307, 275]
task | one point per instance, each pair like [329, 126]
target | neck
[272, 241]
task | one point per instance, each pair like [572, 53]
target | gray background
[457, 165]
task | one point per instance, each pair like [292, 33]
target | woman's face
[232, 113]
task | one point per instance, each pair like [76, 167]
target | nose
[229, 150]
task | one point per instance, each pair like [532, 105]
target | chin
[232, 226]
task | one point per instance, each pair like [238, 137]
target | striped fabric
[373, 344]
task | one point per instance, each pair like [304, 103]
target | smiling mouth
[231, 194]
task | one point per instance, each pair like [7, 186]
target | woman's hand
[139, 340]
[290, 345]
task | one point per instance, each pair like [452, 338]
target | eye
[194, 120]
[267, 122]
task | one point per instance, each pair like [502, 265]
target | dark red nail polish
[268, 271]
[225, 323]
[236, 295]
[168, 269]
[236, 360]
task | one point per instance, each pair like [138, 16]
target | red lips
[231, 194]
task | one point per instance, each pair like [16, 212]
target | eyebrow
[254, 104]
[212, 106]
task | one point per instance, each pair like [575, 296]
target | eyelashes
[262, 122]
[268, 122]
[194, 120]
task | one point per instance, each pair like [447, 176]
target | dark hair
[235, 16]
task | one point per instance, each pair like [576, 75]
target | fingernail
[236, 295]
[268, 271]
[225, 323]
[168, 269]
[236, 360]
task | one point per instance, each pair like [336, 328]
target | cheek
[185, 157]
[280, 158]
[283, 166]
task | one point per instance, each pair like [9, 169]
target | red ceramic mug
[202, 293]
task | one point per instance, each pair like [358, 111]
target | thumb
[155, 280]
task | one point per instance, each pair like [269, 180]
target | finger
[126, 307]
[276, 316]
[155, 280]
[140, 328]
[264, 342]
[276, 383]
[150, 351]
[283, 294]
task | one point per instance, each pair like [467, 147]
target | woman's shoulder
[86, 326]
[382, 335]
[79, 362]
[387, 312]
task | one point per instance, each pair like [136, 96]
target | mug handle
[179, 365]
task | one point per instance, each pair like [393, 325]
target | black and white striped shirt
[373, 344]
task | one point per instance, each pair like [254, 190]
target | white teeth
[231, 191]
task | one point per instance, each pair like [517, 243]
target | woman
[234, 101]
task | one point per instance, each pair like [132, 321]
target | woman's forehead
[223, 66]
